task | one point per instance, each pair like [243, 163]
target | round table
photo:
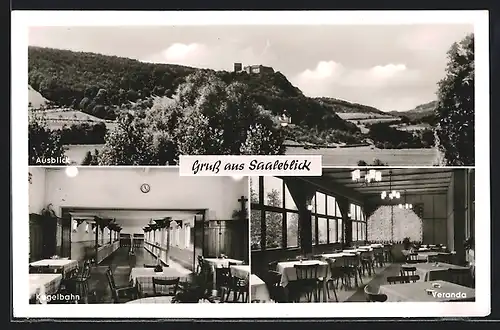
[152, 300]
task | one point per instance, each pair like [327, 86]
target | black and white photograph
[364, 235]
[103, 235]
[397, 95]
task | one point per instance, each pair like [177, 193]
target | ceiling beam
[413, 192]
[403, 187]
[356, 185]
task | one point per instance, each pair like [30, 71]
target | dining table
[143, 277]
[258, 289]
[240, 271]
[289, 273]
[215, 263]
[63, 266]
[433, 291]
[49, 282]
[152, 300]
[430, 271]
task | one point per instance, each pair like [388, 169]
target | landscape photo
[381, 95]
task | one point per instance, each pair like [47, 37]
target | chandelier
[407, 206]
[391, 194]
[369, 177]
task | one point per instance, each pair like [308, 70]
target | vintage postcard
[252, 157]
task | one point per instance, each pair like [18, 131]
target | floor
[121, 265]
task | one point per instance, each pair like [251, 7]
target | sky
[390, 67]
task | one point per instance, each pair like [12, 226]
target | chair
[224, 282]
[413, 256]
[171, 284]
[388, 252]
[367, 262]
[240, 289]
[379, 256]
[351, 270]
[402, 279]
[272, 265]
[335, 275]
[372, 296]
[79, 283]
[199, 266]
[460, 276]
[307, 281]
[408, 270]
[276, 291]
[120, 294]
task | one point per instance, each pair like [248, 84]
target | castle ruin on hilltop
[255, 69]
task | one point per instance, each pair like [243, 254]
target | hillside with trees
[103, 86]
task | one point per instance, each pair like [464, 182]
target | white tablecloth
[67, 266]
[416, 292]
[240, 271]
[258, 289]
[151, 300]
[144, 277]
[431, 271]
[337, 255]
[51, 282]
[220, 263]
[288, 272]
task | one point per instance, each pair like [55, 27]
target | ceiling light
[71, 171]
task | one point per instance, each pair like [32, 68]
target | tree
[87, 159]
[455, 108]
[274, 222]
[362, 163]
[43, 143]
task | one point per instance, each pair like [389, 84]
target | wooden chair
[276, 291]
[307, 281]
[412, 256]
[224, 282]
[272, 265]
[171, 284]
[335, 275]
[367, 262]
[79, 283]
[372, 296]
[408, 270]
[379, 256]
[199, 266]
[120, 294]
[240, 289]
[351, 270]
[402, 279]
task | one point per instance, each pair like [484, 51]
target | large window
[274, 216]
[326, 219]
[358, 223]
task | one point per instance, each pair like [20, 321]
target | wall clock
[145, 188]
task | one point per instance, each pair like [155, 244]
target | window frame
[336, 217]
[358, 219]
[283, 210]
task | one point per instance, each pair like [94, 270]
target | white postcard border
[20, 23]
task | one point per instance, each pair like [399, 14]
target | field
[58, 118]
[35, 99]
[351, 156]
[76, 153]
[412, 128]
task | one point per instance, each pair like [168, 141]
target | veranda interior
[360, 237]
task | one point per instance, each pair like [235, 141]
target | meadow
[58, 118]
[351, 156]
